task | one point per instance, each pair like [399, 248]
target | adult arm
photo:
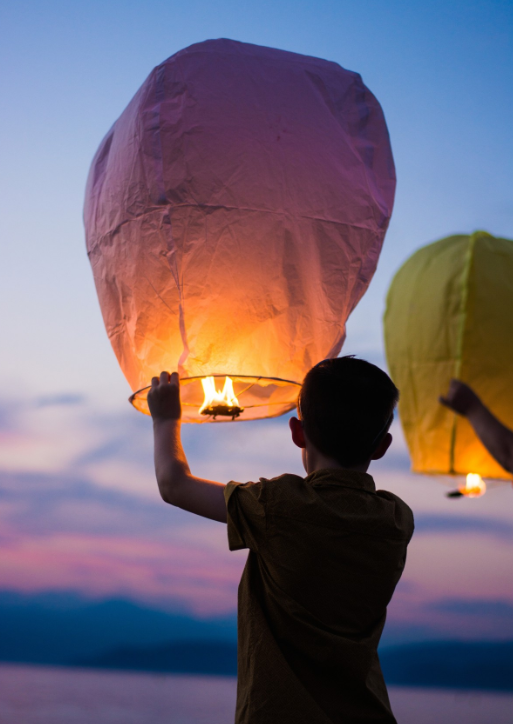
[177, 485]
[496, 437]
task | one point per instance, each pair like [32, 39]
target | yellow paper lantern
[449, 314]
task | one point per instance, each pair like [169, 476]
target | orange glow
[219, 403]
[474, 486]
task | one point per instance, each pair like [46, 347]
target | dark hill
[444, 664]
[55, 628]
[184, 657]
[66, 629]
[450, 664]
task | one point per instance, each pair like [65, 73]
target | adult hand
[164, 397]
[460, 398]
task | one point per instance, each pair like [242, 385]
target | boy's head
[346, 406]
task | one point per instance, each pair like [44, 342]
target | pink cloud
[199, 579]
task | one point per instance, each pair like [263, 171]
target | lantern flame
[474, 486]
[219, 403]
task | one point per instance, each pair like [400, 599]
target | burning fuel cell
[219, 403]
[473, 487]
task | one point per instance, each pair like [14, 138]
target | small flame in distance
[219, 403]
[474, 487]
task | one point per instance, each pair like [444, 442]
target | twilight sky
[78, 502]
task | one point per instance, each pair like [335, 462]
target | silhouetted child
[325, 551]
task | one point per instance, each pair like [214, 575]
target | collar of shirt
[345, 478]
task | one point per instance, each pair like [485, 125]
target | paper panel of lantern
[234, 217]
[448, 315]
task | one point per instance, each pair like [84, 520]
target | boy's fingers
[154, 381]
[164, 377]
[174, 379]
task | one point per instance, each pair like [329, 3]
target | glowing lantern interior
[474, 486]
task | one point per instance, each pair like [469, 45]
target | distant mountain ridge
[68, 630]
[442, 664]
[450, 664]
[56, 628]
[179, 657]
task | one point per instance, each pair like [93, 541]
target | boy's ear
[382, 447]
[298, 434]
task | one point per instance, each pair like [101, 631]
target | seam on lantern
[172, 207]
[173, 268]
[464, 285]
[156, 140]
[275, 213]
[364, 91]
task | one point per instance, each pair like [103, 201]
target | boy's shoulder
[281, 481]
[403, 514]
[348, 492]
[270, 490]
[388, 495]
[290, 487]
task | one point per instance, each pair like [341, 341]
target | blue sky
[443, 73]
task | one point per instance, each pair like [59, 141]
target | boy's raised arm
[496, 437]
[176, 483]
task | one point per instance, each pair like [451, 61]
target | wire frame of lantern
[255, 397]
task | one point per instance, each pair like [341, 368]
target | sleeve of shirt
[246, 515]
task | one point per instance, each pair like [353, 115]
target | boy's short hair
[346, 406]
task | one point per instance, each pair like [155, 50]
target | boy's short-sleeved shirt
[325, 555]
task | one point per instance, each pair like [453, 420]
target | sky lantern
[234, 216]
[449, 314]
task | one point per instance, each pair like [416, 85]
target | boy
[325, 551]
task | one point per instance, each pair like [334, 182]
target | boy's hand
[460, 398]
[164, 397]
